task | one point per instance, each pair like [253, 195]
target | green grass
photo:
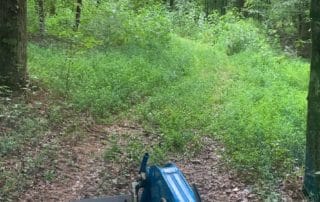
[262, 121]
[111, 81]
[254, 102]
[232, 87]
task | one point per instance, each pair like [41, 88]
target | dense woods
[120, 78]
[287, 21]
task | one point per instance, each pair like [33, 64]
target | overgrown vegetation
[177, 72]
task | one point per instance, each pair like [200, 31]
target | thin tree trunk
[223, 7]
[98, 2]
[78, 14]
[218, 5]
[13, 41]
[171, 3]
[303, 27]
[312, 167]
[240, 5]
[206, 8]
[52, 7]
[41, 16]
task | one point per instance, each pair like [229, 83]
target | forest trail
[98, 160]
[91, 160]
[83, 172]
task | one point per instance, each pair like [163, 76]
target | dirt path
[82, 171]
[75, 159]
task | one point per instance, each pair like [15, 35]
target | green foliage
[32, 20]
[253, 99]
[225, 81]
[231, 34]
[186, 18]
[121, 24]
[264, 114]
[183, 110]
[124, 26]
[107, 82]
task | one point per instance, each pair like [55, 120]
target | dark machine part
[157, 184]
[121, 198]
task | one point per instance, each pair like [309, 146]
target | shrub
[123, 26]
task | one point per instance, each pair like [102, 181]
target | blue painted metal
[160, 184]
[167, 184]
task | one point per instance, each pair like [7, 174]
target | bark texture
[312, 168]
[13, 41]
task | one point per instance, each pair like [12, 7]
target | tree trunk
[218, 5]
[98, 2]
[41, 16]
[206, 7]
[303, 26]
[52, 7]
[13, 41]
[312, 167]
[240, 4]
[171, 3]
[78, 14]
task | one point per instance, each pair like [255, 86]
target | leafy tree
[312, 167]
[13, 40]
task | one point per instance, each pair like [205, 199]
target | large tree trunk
[78, 14]
[13, 40]
[312, 167]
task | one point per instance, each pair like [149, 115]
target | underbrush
[227, 83]
[262, 121]
[107, 82]
[242, 92]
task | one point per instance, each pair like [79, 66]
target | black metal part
[195, 190]
[143, 167]
[121, 198]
